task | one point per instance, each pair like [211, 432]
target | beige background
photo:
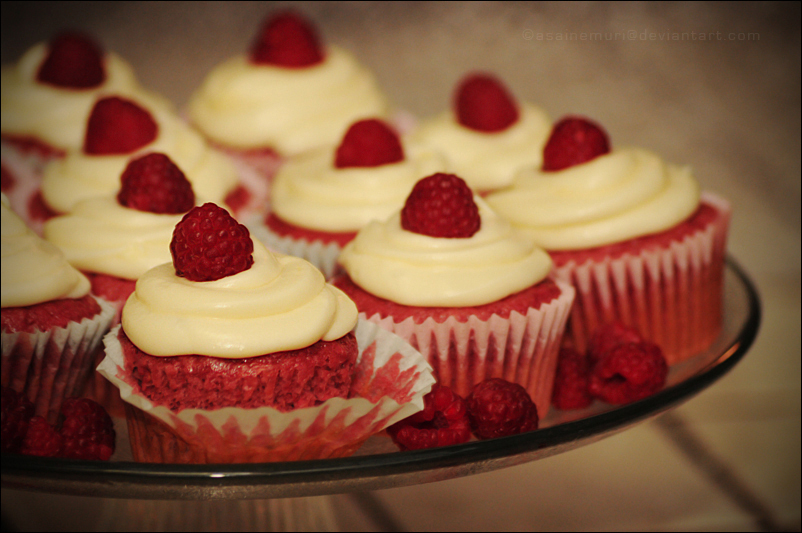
[729, 107]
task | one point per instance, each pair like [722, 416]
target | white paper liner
[323, 256]
[26, 168]
[672, 296]
[385, 360]
[523, 349]
[50, 366]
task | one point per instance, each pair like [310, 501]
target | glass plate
[378, 464]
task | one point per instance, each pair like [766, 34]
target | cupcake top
[445, 248]
[261, 302]
[586, 196]
[340, 189]
[290, 93]
[33, 270]
[120, 129]
[487, 136]
[129, 233]
[49, 93]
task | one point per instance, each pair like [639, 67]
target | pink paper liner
[673, 296]
[390, 381]
[26, 168]
[523, 349]
[50, 366]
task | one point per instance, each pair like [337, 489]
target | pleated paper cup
[390, 381]
[23, 169]
[50, 366]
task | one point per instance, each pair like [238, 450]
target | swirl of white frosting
[310, 192]
[79, 176]
[104, 237]
[413, 269]
[58, 115]
[33, 270]
[243, 105]
[280, 303]
[488, 161]
[625, 194]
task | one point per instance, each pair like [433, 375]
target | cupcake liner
[672, 296]
[50, 366]
[25, 168]
[523, 349]
[390, 381]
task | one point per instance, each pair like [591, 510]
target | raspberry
[443, 421]
[41, 439]
[208, 244]
[153, 183]
[73, 61]
[573, 141]
[571, 381]
[118, 126]
[287, 40]
[482, 103]
[607, 337]
[17, 412]
[441, 205]
[369, 143]
[87, 430]
[498, 408]
[628, 372]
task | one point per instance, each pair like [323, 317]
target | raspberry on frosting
[73, 61]
[208, 244]
[573, 141]
[118, 126]
[482, 103]
[441, 205]
[287, 40]
[153, 183]
[369, 143]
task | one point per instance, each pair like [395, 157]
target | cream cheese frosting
[57, 116]
[79, 176]
[621, 195]
[244, 106]
[310, 192]
[488, 161]
[104, 237]
[413, 269]
[280, 303]
[33, 270]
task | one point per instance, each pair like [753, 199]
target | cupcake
[290, 93]
[321, 199]
[46, 100]
[51, 325]
[231, 353]
[634, 235]
[119, 130]
[468, 291]
[487, 136]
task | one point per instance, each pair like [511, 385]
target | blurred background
[712, 85]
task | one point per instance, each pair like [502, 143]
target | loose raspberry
[153, 183]
[287, 40]
[482, 103]
[73, 61]
[629, 372]
[118, 126]
[369, 143]
[17, 412]
[87, 430]
[607, 337]
[208, 244]
[573, 141]
[571, 381]
[441, 205]
[498, 408]
[443, 421]
[41, 439]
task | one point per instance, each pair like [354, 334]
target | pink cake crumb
[286, 229]
[48, 315]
